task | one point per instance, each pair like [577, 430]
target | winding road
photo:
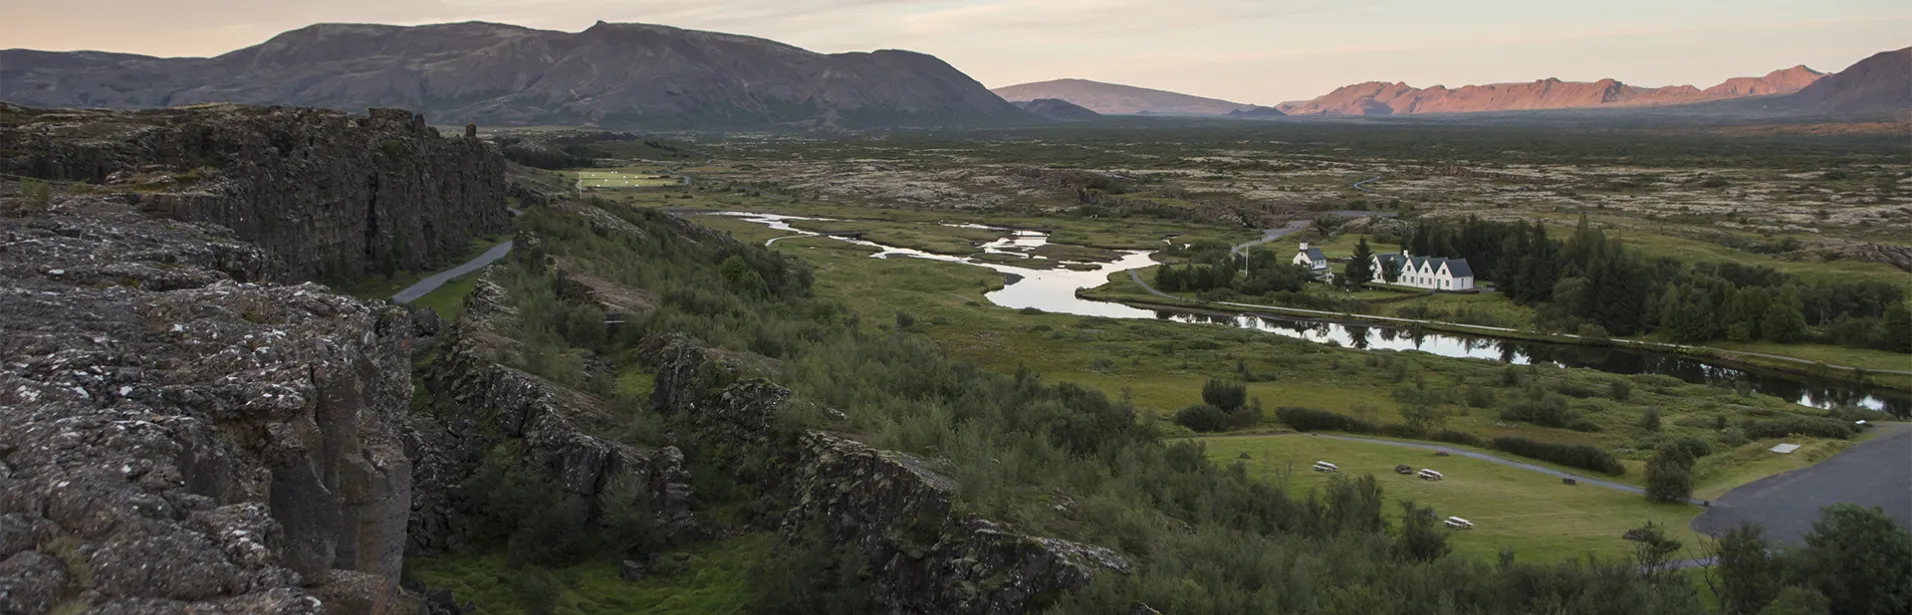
[1357, 185]
[1272, 234]
[429, 284]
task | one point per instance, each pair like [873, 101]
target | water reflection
[1054, 290]
[1518, 352]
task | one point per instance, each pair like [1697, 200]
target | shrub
[1571, 455]
[1817, 427]
[1204, 418]
[1310, 419]
[1669, 475]
[1456, 437]
[1692, 446]
[1223, 394]
[1650, 420]
[1619, 390]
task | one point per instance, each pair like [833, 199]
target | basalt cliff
[193, 425]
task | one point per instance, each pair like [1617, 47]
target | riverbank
[1891, 380]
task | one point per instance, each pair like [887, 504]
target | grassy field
[619, 179]
[1534, 514]
[716, 584]
[449, 300]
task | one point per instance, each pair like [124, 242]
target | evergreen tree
[1361, 269]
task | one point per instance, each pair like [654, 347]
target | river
[1054, 290]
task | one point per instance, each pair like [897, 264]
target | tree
[1361, 269]
[1654, 553]
[1391, 270]
[1669, 475]
[1860, 558]
[1422, 537]
[1229, 396]
[1796, 600]
[1898, 328]
[1749, 575]
[1783, 322]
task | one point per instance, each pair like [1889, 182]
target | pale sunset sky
[1254, 51]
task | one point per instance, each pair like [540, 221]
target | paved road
[1272, 234]
[1357, 185]
[427, 285]
[1877, 472]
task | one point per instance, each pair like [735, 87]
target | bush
[1692, 446]
[1650, 421]
[1310, 419]
[1229, 396]
[1619, 390]
[1571, 455]
[1203, 418]
[1457, 437]
[1540, 408]
[1817, 427]
[1669, 475]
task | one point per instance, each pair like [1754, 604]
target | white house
[1443, 274]
[1315, 262]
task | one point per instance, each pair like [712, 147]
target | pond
[1054, 290]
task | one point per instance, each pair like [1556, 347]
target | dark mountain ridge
[609, 75]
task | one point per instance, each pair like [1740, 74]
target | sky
[1251, 51]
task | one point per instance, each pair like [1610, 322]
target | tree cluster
[1593, 279]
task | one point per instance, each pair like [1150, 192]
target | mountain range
[1378, 98]
[610, 75]
[1116, 99]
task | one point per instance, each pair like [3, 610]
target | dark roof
[1314, 254]
[1459, 268]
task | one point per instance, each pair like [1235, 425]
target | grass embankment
[1535, 515]
[449, 300]
[716, 582]
[936, 238]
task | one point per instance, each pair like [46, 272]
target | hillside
[1058, 110]
[1380, 98]
[632, 75]
[1116, 99]
[1878, 85]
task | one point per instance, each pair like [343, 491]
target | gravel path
[1357, 185]
[427, 285]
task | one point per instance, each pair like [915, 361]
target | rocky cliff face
[482, 402]
[611, 75]
[330, 194]
[178, 441]
[892, 508]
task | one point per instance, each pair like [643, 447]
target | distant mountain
[1256, 112]
[1878, 85]
[1058, 110]
[1784, 81]
[1115, 99]
[1378, 98]
[633, 75]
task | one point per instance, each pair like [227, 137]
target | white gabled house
[1315, 262]
[1441, 274]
